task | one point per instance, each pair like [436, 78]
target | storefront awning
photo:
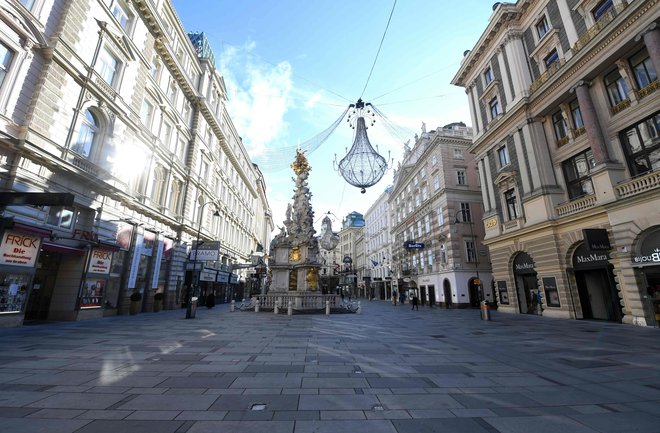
[63, 249]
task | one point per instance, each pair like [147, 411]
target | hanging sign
[18, 249]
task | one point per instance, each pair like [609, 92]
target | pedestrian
[394, 296]
[402, 298]
[415, 302]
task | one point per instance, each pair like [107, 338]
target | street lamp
[197, 273]
[463, 213]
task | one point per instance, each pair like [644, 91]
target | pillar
[651, 36]
[590, 117]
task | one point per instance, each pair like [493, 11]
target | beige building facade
[564, 102]
[115, 104]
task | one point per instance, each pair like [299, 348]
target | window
[644, 71]
[146, 113]
[6, 55]
[436, 182]
[441, 218]
[465, 214]
[559, 124]
[120, 12]
[443, 254]
[60, 217]
[488, 76]
[576, 114]
[28, 4]
[166, 135]
[434, 160]
[171, 93]
[458, 154]
[577, 172]
[494, 107]
[425, 193]
[460, 177]
[470, 251]
[87, 133]
[617, 89]
[510, 200]
[602, 8]
[158, 185]
[427, 224]
[542, 28]
[181, 149]
[175, 196]
[551, 59]
[503, 156]
[419, 229]
[107, 66]
[641, 145]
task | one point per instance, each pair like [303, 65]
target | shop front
[594, 277]
[525, 277]
[19, 251]
[646, 262]
[93, 288]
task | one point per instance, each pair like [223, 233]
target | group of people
[414, 301]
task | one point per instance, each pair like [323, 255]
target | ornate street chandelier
[362, 166]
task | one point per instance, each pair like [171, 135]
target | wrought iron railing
[545, 76]
[647, 90]
[620, 106]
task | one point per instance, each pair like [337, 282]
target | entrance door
[474, 294]
[422, 291]
[42, 286]
[526, 286]
[597, 295]
[431, 295]
[446, 289]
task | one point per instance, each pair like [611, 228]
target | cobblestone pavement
[388, 370]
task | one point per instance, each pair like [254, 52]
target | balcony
[638, 185]
[576, 206]
[649, 89]
[594, 30]
[544, 77]
[620, 107]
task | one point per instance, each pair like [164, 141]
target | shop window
[511, 202]
[88, 132]
[644, 71]
[13, 291]
[61, 217]
[577, 173]
[6, 56]
[617, 89]
[641, 145]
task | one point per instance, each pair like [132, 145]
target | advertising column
[18, 257]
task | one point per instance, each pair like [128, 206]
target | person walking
[394, 295]
[415, 302]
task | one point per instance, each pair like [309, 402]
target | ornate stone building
[378, 246]
[114, 103]
[564, 101]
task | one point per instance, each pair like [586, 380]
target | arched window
[87, 133]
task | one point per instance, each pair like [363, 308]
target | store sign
[593, 258]
[100, 261]
[205, 251]
[596, 239]
[18, 249]
[207, 275]
[652, 257]
[523, 264]
[223, 277]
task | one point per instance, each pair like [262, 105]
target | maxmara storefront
[596, 272]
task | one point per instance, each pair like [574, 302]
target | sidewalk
[388, 370]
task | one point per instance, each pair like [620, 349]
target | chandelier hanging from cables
[362, 166]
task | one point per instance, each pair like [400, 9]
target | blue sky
[291, 68]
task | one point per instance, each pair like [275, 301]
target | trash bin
[485, 311]
[191, 309]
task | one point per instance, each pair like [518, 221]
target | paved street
[388, 370]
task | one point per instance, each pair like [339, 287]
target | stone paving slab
[387, 370]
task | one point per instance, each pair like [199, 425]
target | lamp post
[462, 212]
[196, 272]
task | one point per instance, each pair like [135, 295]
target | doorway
[43, 285]
[473, 291]
[597, 294]
[526, 287]
[431, 296]
[446, 289]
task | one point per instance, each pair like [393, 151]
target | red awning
[32, 230]
[63, 249]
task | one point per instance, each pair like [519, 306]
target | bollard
[327, 308]
[233, 306]
[359, 310]
[290, 310]
[277, 307]
[256, 306]
[485, 311]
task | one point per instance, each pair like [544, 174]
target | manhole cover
[258, 406]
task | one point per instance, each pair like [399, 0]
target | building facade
[351, 249]
[378, 247]
[113, 103]
[437, 249]
[564, 99]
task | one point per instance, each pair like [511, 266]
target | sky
[292, 67]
